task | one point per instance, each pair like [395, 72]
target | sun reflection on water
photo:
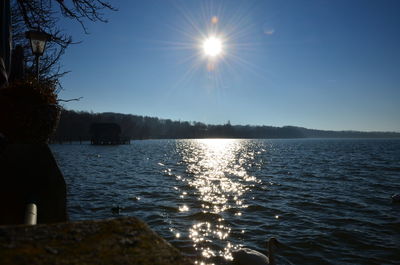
[217, 175]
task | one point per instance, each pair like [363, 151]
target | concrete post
[30, 214]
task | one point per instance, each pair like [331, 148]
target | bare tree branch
[40, 14]
[68, 100]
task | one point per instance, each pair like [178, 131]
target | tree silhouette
[76, 125]
[46, 15]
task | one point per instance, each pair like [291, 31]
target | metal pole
[5, 43]
[37, 67]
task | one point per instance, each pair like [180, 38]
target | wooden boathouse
[107, 134]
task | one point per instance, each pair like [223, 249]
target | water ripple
[328, 201]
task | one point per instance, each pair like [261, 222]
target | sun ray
[217, 43]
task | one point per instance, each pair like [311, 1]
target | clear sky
[318, 63]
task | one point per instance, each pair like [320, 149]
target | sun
[212, 46]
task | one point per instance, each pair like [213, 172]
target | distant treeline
[74, 126]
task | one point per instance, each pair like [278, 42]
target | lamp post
[38, 40]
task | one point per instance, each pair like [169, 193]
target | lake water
[328, 201]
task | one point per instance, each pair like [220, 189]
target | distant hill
[74, 125]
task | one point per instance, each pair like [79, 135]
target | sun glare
[212, 46]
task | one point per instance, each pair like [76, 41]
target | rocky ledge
[115, 241]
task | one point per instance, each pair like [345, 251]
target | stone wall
[115, 241]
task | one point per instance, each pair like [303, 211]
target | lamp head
[38, 40]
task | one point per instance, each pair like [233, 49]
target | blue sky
[316, 64]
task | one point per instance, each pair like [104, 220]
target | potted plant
[29, 110]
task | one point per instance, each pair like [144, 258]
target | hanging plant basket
[29, 112]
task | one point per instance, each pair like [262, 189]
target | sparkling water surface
[328, 201]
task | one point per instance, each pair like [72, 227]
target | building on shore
[106, 134]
